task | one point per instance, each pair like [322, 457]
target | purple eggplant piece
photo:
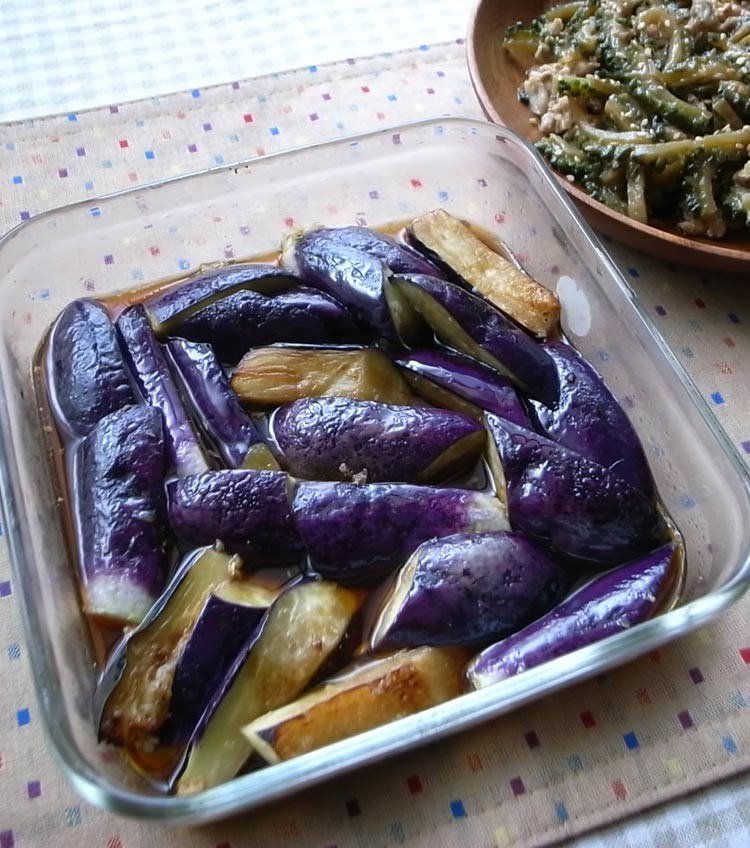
[609, 604]
[144, 354]
[352, 277]
[357, 534]
[469, 379]
[247, 511]
[588, 419]
[215, 406]
[577, 506]
[337, 438]
[87, 375]
[468, 589]
[247, 319]
[218, 637]
[470, 324]
[121, 515]
[401, 258]
[168, 309]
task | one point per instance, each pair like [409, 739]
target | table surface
[59, 58]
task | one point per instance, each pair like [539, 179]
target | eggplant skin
[588, 419]
[88, 378]
[247, 511]
[247, 319]
[469, 589]
[357, 534]
[401, 258]
[576, 506]
[609, 604]
[338, 438]
[121, 514]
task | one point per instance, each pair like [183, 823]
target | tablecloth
[668, 723]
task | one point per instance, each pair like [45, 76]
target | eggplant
[120, 514]
[498, 279]
[170, 307]
[87, 375]
[473, 326]
[354, 278]
[357, 534]
[247, 319]
[160, 677]
[588, 419]
[359, 699]
[467, 589]
[270, 376]
[310, 626]
[344, 439]
[247, 511]
[144, 355]
[217, 408]
[401, 258]
[609, 604]
[481, 386]
[578, 507]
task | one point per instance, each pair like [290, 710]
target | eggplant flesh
[305, 627]
[217, 408]
[358, 534]
[120, 514]
[588, 419]
[248, 319]
[506, 286]
[609, 604]
[271, 376]
[345, 439]
[470, 325]
[135, 693]
[149, 366]
[246, 510]
[468, 589]
[578, 507]
[168, 309]
[88, 378]
[359, 699]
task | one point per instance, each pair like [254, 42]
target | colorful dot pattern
[659, 726]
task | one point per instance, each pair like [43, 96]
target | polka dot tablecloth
[657, 728]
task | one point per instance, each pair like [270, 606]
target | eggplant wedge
[504, 284]
[461, 383]
[467, 589]
[247, 511]
[401, 258]
[169, 308]
[578, 507]
[588, 419]
[247, 319]
[271, 376]
[217, 408]
[88, 378]
[146, 359]
[359, 699]
[345, 439]
[357, 534]
[469, 324]
[164, 673]
[311, 626]
[120, 514]
[609, 604]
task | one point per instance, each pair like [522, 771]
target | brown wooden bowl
[496, 78]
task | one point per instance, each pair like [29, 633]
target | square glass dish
[480, 172]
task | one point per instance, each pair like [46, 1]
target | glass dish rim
[388, 741]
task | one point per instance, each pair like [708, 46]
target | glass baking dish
[477, 170]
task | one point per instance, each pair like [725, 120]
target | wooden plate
[496, 78]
